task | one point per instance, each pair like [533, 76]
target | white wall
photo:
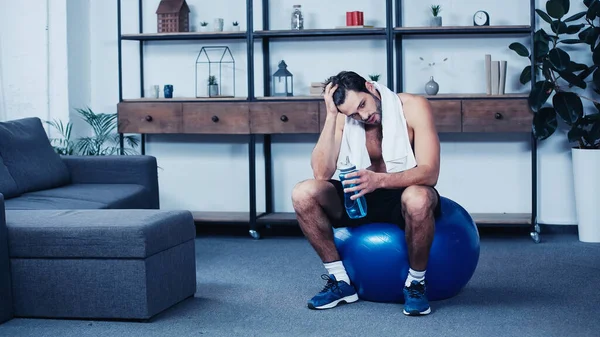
[34, 67]
[485, 173]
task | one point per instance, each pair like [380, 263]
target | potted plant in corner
[571, 84]
[213, 87]
[436, 20]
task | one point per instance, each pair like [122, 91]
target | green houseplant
[213, 86]
[436, 20]
[558, 94]
[103, 141]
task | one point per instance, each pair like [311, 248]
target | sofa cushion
[29, 156]
[34, 202]
[111, 195]
[96, 233]
[8, 186]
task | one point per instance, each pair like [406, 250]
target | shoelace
[416, 290]
[331, 284]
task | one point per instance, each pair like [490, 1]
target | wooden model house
[173, 16]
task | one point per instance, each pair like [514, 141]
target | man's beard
[378, 108]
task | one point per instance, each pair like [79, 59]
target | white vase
[436, 21]
[204, 28]
[218, 25]
[587, 198]
[236, 28]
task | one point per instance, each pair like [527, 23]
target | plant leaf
[559, 59]
[541, 35]
[596, 79]
[574, 29]
[574, 66]
[566, 5]
[596, 55]
[539, 94]
[525, 75]
[544, 123]
[519, 48]
[575, 17]
[568, 106]
[555, 9]
[570, 41]
[543, 15]
[559, 27]
[541, 49]
[572, 79]
[576, 133]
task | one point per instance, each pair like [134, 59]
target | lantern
[283, 81]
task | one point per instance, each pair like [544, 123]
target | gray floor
[260, 288]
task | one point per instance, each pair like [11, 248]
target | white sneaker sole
[426, 312]
[347, 299]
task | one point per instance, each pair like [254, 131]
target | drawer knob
[284, 118]
[498, 115]
[149, 118]
[215, 119]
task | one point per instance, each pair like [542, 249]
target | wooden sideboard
[469, 113]
[453, 114]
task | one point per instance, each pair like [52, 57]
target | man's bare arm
[419, 116]
[326, 151]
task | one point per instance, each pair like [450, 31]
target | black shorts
[383, 205]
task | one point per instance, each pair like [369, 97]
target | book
[488, 73]
[495, 77]
[502, 79]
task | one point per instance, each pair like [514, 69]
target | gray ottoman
[100, 264]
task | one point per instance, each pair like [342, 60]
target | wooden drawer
[284, 117]
[135, 117]
[496, 115]
[216, 118]
[447, 115]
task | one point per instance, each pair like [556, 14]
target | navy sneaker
[332, 294]
[415, 299]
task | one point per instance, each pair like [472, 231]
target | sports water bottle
[355, 208]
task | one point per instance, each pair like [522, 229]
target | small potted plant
[236, 26]
[213, 87]
[436, 20]
[374, 77]
[204, 26]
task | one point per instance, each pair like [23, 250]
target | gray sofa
[85, 214]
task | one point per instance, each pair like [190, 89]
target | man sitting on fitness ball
[392, 140]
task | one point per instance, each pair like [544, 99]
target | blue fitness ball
[376, 257]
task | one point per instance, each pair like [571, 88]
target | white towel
[396, 148]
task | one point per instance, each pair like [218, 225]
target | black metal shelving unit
[393, 33]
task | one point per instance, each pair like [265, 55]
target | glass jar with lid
[297, 18]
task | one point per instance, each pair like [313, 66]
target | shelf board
[289, 218]
[462, 30]
[185, 36]
[222, 217]
[279, 218]
[321, 32]
[502, 218]
[293, 98]
[475, 96]
[187, 99]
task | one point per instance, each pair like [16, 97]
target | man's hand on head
[328, 97]
[366, 181]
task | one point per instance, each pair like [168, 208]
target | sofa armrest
[135, 169]
[6, 305]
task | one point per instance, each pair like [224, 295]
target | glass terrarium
[215, 72]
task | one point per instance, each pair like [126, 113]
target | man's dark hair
[346, 81]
